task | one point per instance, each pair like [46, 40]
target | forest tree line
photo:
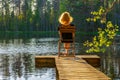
[42, 15]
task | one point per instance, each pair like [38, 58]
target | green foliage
[98, 15]
[42, 15]
[63, 5]
[105, 36]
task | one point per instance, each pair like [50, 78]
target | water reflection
[110, 62]
[43, 46]
[38, 46]
[21, 67]
[45, 73]
[111, 67]
[17, 59]
[4, 66]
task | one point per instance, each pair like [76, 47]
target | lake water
[21, 66]
[17, 59]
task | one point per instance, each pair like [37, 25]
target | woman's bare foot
[64, 53]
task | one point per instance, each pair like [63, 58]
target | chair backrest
[67, 33]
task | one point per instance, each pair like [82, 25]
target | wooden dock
[70, 68]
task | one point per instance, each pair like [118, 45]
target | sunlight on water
[46, 46]
[38, 75]
[38, 46]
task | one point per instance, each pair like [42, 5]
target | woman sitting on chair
[65, 20]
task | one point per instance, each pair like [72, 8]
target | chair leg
[58, 48]
[73, 50]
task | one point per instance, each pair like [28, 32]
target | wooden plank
[70, 68]
[78, 69]
[41, 61]
[93, 60]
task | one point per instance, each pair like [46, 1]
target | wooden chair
[67, 35]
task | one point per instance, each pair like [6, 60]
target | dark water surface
[110, 62]
[17, 59]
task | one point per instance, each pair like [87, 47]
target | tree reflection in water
[110, 62]
[17, 59]
[21, 67]
[4, 65]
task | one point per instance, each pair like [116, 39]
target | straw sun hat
[65, 18]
